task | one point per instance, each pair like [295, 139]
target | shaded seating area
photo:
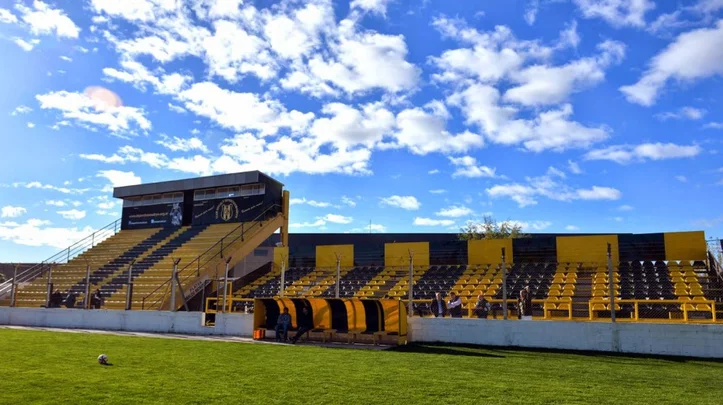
[338, 320]
[353, 281]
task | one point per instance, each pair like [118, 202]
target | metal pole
[173, 284]
[225, 285]
[12, 286]
[86, 300]
[49, 286]
[129, 291]
[92, 240]
[611, 284]
[338, 273]
[410, 306]
[504, 286]
[283, 277]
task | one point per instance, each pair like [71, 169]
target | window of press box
[168, 198]
[229, 192]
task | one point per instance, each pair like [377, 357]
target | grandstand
[210, 225]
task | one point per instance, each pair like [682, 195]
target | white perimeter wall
[131, 321]
[643, 338]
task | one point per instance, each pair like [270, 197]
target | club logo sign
[227, 210]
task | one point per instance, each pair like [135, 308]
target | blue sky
[566, 116]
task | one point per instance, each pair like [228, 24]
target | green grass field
[61, 368]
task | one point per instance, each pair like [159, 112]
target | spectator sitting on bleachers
[70, 300]
[482, 307]
[438, 306]
[56, 299]
[524, 306]
[306, 323]
[96, 301]
[283, 323]
[455, 306]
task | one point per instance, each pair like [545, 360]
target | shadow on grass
[456, 350]
[501, 352]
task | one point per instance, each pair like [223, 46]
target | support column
[285, 210]
[86, 298]
[504, 286]
[611, 285]
[410, 306]
[338, 273]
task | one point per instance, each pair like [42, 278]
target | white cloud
[72, 214]
[467, 167]
[618, 13]
[44, 20]
[41, 186]
[27, 46]
[30, 125]
[433, 171]
[20, 110]
[369, 228]
[129, 154]
[455, 211]
[423, 132]
[222, 106]
[533, 7]
[85, 110]
[312, 203]
[176, 109]
[639, 153]
[573, 167]
[119, 178]
[572, 228]
[176, 144]
[316, 224]
[65, 58]
[7, 17]
[409, 203]
[550, 186]
[708, 222]
[348, 201]
[56, 203]
[691, 113]
[438, 191]
[36, 232]
[531, 226]
[625, 208]
[693, 55]
[349, 126]
[10, 211]
[337, 219]
[374, 6]
[681, 179]
[432, 222]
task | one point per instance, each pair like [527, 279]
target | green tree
[489, 228]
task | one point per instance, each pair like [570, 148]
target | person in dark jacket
[482, 307]
[56, 299]
[96, 300]
[524, 304]
[454, 306]
[70, 300]
[305, 324]
[438, 306]
[283, 324]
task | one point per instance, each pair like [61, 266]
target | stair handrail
[197, 260]
[63, 256]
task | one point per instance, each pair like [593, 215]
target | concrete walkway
[196, 337]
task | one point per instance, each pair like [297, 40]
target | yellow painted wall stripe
[397, 254]
[685, 245]
[326, 255]
[489, 251]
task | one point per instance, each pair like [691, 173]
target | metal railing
[216, 251]
[62, 257]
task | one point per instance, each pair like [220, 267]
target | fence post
[504, 286]
[49, 286]
[86, 300]
[410, 304]
[92, 240]
[611, 285]
[129, 292]
[68, 255]
[225, 285]
[283, 276]
[173, 284]
[338, 273]
[12, 286]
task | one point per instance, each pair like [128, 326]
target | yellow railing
[686, 306]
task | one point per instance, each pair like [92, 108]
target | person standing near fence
[438, 306]
[524, 304]
[482, 307]
[454, 306]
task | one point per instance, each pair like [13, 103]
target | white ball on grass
[102, 359]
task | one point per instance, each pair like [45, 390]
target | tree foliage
[489, 228]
